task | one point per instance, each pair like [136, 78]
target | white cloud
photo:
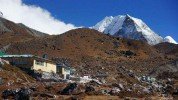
[33, 16]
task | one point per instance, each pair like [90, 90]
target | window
[19, 62]
[39, 63]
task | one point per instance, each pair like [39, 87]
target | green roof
[2, 53]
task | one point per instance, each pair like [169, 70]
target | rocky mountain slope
[126, 26]
[33, 32]
[11, 32]
[170, 50]
[168, 69]
[92, 50]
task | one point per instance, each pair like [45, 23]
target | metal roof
[9, 56]
[26, 56]
[2, 53]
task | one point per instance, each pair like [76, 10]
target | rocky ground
[15, 83]
[115, 62]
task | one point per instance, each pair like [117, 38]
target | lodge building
[31, 62]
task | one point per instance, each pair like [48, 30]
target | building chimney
[44, 56]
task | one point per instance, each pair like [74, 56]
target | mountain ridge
[126, 26]
[11, 32]
[169, 39]
[18, 28]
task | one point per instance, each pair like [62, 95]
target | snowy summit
[128, 27]
[169, 39]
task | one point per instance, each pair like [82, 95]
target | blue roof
[24, 55]
[2, 53]
[63, 65]
[59, 65]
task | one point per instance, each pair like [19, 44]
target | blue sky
[160, 15]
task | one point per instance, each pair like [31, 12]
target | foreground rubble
[17, 94]
[17, 84]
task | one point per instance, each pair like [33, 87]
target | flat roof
[26, 56]
[2, 53]
[62, 65]
[23, 55]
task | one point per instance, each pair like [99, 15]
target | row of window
[40, 63]
[19, 62]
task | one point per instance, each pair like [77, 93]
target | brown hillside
[85, 42]
[11, 32]
[93, 50]
[168, 49]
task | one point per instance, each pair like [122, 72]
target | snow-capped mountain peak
[127, 26]
[169, 39]
[141, 26]
[115, 25]
[103, 24]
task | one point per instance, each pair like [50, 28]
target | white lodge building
[31, 62]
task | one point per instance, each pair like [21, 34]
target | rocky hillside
[11, 32]
[168, 69]
[92, 50]
[170, 50]
[86, 42]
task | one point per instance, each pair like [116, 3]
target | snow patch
[169, 39]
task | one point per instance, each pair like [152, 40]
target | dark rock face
[128, 53]
[89, 89]
[48, 95]
[18, 94]
[175, 93]
[69, 89]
